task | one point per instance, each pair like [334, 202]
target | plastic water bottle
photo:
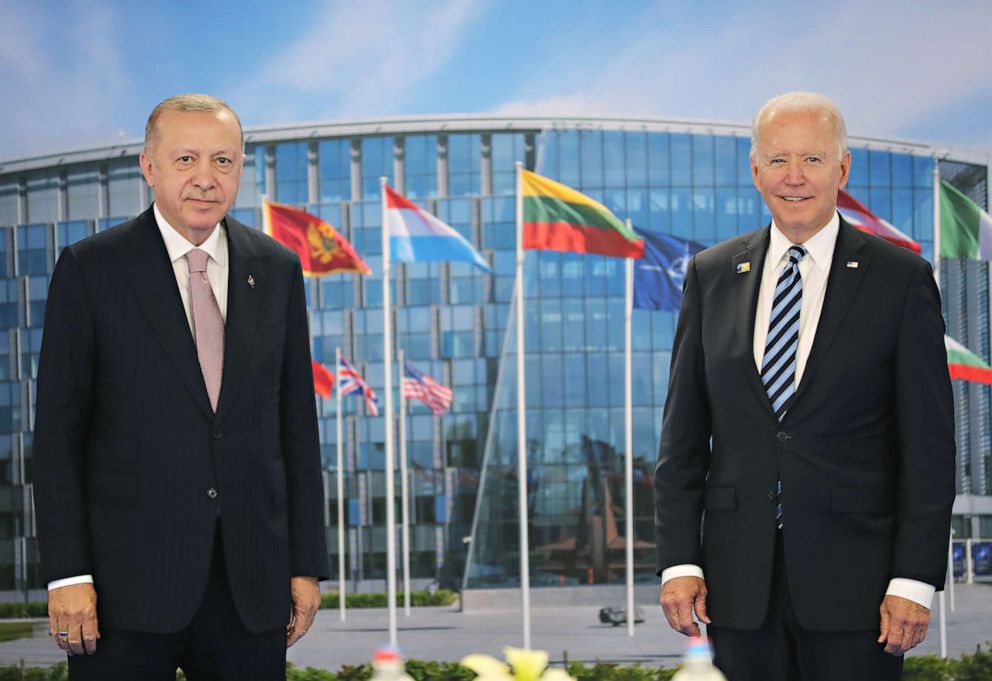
[387, 665]
[697, 663]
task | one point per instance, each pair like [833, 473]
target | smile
[795, 198]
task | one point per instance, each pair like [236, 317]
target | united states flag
[350, 381]
[420, 386]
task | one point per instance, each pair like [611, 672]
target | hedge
[35, 609]
[378, 600]
[976, 667]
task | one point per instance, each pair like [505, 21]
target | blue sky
[86, 73]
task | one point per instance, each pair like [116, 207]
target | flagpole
[522, 417]
[936, 220]
[387, 360]
[628, 418]
[404, 492]
[340, 430]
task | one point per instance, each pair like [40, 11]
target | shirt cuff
[913, 590]
[684, 570]
[70, 581]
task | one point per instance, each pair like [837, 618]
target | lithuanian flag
[558, 218]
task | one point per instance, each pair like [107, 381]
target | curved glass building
[685, 178]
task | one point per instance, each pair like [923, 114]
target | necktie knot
[796, 253]
[196, 259]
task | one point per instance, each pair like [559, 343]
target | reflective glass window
[43, 202]
[32, 249]
[334, 169]
[248, 189]
[377, 161]
[464, 162]
[125, 185]
[82, 194]
[420, 160]
[291, 173]
[702, 161]
[507, 149]
[8, 203]
[591, 159]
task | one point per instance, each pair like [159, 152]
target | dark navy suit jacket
[127, 448]
[865, 452]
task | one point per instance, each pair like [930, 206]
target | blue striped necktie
[778, 368]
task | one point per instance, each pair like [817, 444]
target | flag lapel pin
[251, 281]
[743, 267]
[852, 264]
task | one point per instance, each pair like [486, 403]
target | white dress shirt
[814, 269]
[217, 272]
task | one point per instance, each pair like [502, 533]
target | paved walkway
[575, 632]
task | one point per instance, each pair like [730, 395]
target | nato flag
[658, 276]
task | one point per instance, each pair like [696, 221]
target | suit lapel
[751, 260]
[153, 283]
[842, 285]
[240, 329]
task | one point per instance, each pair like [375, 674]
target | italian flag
[965, 229]
[963, 364]
[558, 218]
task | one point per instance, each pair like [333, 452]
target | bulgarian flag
[962, 363]
[558, 218]
[861, 218]
[965, 229]
[321, 248]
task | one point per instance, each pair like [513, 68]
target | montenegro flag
[321, 249]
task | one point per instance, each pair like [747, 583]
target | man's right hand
[72, 612]
[680, 598]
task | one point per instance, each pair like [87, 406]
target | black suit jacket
[865, 452]
[127, 448]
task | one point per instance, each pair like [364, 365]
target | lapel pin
[743, 267]
[853, 264]
[251, 279]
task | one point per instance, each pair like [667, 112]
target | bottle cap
[387, 656]
[698, 648]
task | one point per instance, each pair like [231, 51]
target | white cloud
[889, 66]
[359, 58]
[63, 79]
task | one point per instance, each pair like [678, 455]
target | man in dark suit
[177, 462]
[805, 476]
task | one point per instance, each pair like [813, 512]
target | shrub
[378, 600]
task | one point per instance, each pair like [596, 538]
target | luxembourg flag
[415, 235]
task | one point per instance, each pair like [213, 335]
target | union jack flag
[420, 386]
[350, 381]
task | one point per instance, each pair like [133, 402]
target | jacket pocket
[861, 500]
[111, 487]
[720, 499]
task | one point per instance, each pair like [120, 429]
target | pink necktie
[208, 325]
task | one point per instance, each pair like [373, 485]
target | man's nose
[794, 172]
[203, 176]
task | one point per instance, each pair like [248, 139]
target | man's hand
[72, 618]
[680, 598]
[305, 594]
[904, 624]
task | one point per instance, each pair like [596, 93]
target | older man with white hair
[805, 477]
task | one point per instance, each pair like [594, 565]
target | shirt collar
[819, 247]
[177, 245]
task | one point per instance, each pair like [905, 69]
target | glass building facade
[454, 322]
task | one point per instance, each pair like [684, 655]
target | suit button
[212, 493]
[218, 434]
[783, 436]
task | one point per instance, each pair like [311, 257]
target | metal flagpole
[936, 275]
[404, 491]
[522, 417]
[628, 418]
[340, 430]
[387, 370]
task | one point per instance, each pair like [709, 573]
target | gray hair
[801, 102]
[187, 103]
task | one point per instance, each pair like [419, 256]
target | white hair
[801, 102]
